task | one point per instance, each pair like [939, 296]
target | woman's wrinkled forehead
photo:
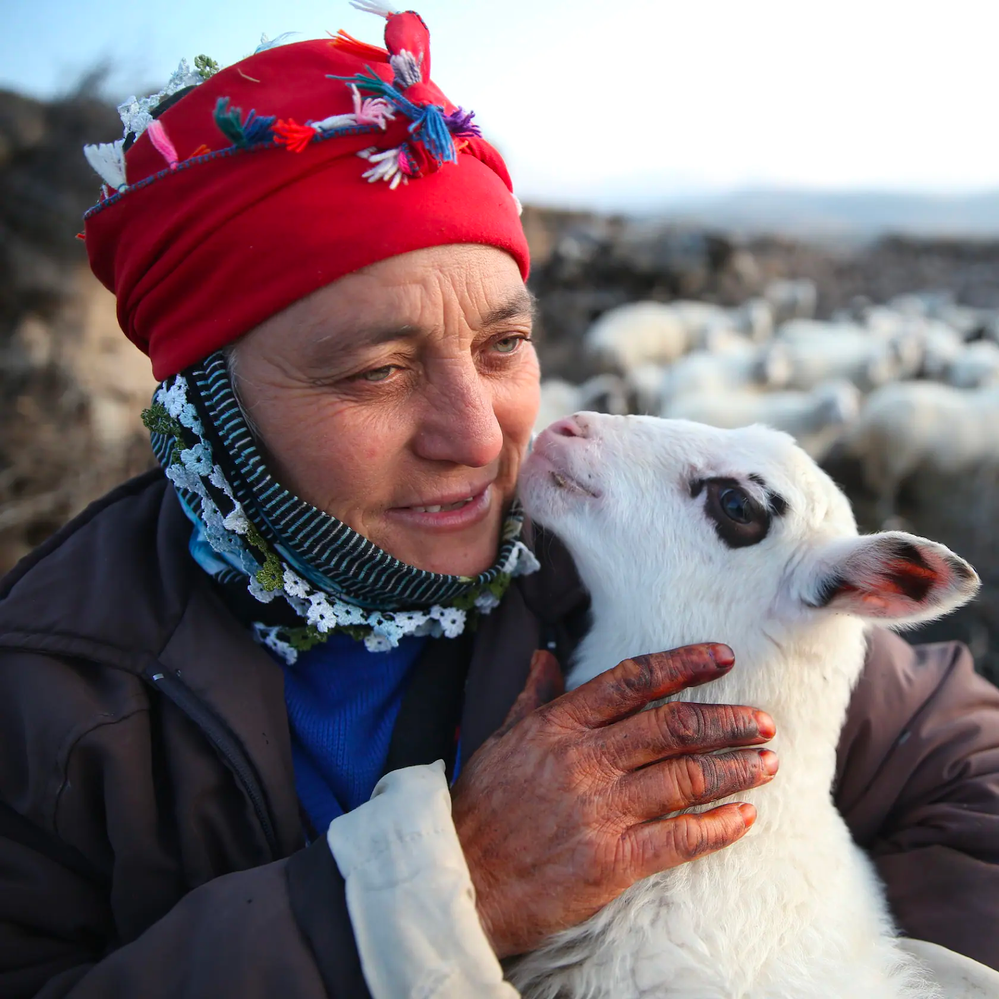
[411, 297]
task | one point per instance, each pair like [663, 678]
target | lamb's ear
[892, 577]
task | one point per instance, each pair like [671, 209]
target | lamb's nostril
[569, 426]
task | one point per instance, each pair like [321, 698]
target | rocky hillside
[71, 386]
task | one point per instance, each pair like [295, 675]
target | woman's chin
[457, 563]
[451, 556]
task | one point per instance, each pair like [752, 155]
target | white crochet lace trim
[135, 111]
[225, 534]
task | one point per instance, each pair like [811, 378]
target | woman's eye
[377, 374]
[508, 344]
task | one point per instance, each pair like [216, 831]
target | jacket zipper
[225, 743]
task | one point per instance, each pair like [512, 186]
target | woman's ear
[893, 577]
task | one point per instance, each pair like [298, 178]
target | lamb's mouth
[562, 480]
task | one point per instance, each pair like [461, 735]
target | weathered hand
[561, 810]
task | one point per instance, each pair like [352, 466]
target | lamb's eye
[739, 520]
[734, 504]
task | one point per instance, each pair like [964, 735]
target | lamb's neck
[802, 678]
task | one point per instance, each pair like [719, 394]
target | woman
[206, 674]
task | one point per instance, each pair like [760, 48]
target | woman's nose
[460, 425]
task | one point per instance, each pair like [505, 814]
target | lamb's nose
[571, 426]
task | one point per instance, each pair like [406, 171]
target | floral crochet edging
[236, 539]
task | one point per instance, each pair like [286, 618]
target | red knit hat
[217, 218]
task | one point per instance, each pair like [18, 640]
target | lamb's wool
[794, 910]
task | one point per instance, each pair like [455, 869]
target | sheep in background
[911, 425]
[645, 387]
[682, 534]
[815, 419]
[659, 332]
[792, 299]
[974, 366]
[941, 347]
[604, 393]
[637, 333]
[755, 318]
[822, 351]
[763, 367]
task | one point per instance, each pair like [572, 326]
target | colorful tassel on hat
[350, 45]
[161, 142]
[373, 7]
[255, 128]
[292, 135]
[108, 161]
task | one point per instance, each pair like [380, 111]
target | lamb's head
[687, 533]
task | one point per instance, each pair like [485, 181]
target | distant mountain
[844, 214]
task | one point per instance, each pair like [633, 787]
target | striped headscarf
[249, 528]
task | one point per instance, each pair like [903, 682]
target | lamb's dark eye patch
[778, 505]
[740, 520]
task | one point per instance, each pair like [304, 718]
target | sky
[618, 102]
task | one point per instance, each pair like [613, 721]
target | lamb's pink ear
[892, 577]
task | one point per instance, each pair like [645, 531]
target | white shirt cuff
[410, 896]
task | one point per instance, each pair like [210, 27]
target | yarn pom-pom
[161, 143]
[108, 160]
[373, 7]
[292, 135]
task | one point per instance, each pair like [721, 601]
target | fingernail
[766, 725]
[723, 656]
[748, 813]
[770, 762]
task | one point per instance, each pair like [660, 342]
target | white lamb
[816, 419]
[685, 533]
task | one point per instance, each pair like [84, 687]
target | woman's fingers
[683, 727]
[652, 847]
[685, 781]
[633, 683]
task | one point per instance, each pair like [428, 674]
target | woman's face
[411, 384]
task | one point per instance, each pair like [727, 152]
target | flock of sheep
[909, 384]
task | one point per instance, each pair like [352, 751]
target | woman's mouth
[453, 516]
[445, 507]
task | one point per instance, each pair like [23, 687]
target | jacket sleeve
[280, 929]
[238, 935]
[82, 912]
[918, 785]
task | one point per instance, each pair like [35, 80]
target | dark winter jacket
[151, 841]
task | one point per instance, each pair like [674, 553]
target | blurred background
[775, 212]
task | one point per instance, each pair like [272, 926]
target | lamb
[911, 425]
[685, 533]
[816, 419]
